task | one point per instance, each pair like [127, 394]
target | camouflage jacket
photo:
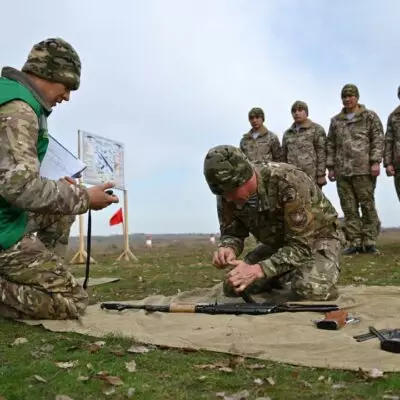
[306, 148]
[20, 182]
[392, 140]
[293, 217]
[354, 145]
[265, 147]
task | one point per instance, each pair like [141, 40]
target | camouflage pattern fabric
[266, 147]
[226, 168]
[20, 182]
[295, 219]
[354, 144]
[306, 148]
[32, 285]
[55, 60]
[314, 281]
[353, 192]
[52, 230]
[350, 90]
[392, 140]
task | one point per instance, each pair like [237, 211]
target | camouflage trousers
[34, 282]
[315, 280]
[357, 192]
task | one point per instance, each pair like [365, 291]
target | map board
[104, 160]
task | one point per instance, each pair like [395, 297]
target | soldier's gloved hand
[99, 199]
[243, 275]
[332, 175]
[390, 171]
[223, 257]
[321, 180]
[375, 169]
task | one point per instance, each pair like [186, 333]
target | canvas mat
[98, 281]
[285, 337]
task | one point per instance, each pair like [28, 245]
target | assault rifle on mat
[227, 308]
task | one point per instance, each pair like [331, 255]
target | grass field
[46, 365]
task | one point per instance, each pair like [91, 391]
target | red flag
[117, 218]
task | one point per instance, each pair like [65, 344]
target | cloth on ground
[98, 281]
[284, 337]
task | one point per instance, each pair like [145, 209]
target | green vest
[13, 220]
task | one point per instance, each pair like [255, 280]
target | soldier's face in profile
[349, 101]
[256, 121]
[55, 92]
[240, 195]
[299, 115]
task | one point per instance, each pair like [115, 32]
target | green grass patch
[50, 364]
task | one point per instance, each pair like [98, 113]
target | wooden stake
[127, 253]
[81, 256]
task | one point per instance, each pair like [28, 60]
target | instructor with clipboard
[32, 285]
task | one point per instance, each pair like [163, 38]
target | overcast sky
[170, 79]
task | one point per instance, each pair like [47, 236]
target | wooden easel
[127, 253]
[81, 256]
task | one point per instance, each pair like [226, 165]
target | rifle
[390, 342]
[227, 308]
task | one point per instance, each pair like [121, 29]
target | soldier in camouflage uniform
[304, 144]
[283, 208]
[354, 153]
[391, 160]
[259, 144]
[32, 285]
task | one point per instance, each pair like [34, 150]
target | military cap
[257, 112]
[55, 60]
[226, 168]
[350, 90]
[299, 105]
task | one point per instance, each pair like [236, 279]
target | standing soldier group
[352, 152]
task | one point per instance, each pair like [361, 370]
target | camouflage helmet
[257, 112]
[226, 168]
[350, 90]
[55, 60]
[299, 105]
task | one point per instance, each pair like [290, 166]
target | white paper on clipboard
[60, 162]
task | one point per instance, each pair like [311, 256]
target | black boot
[372, 249]
[353, 250]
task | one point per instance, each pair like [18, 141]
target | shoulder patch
[297, 217]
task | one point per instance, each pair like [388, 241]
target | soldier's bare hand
[375, 169]
[70, 180]
[243, 275]
[223, 257]
[332, 175]
[99, 199]
[321, 180]
[390, 171]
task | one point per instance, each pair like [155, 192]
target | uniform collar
[262, 131]
[22, 77]
[305, 125]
